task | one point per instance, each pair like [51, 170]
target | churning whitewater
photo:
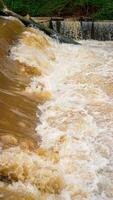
[73, 158]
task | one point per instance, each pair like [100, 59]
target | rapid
[56, 117]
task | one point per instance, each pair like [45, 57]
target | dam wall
[80, 30]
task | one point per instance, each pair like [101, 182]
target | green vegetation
[1, 4]
[99, 9]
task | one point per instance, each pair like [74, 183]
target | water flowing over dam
[56, 117]
[83, 30]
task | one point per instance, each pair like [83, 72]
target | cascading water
[103, 30]
[67, 28]
[85, 30]
[58, 26]
[74, 91]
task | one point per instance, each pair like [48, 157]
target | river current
[56, 117]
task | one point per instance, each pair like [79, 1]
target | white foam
[74, 120]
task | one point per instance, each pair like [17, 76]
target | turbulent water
[69, 155]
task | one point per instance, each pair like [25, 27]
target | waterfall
[103, 31]
[84, 30]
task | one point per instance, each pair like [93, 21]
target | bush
[98, 9]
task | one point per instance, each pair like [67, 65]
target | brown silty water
[18, 104]
[17, 111]
[56, 117]
[17, 114]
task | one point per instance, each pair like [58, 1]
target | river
[56, 117]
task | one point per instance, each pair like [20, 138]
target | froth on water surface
[73, 89]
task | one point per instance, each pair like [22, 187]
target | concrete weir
[81, 30]
[99, 30]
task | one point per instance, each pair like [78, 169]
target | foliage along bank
[97, 9]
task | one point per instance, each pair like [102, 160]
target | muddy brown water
[17, 112]
[73, 89]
